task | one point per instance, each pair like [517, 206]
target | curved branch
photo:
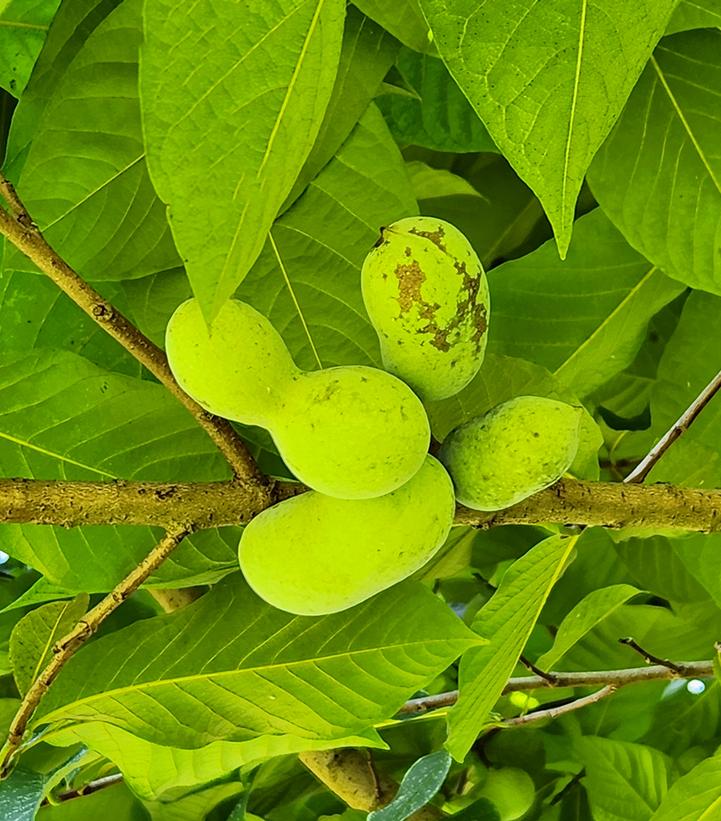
[22, 232]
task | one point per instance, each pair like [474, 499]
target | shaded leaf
[23, 26]
[101, 212]
[695, 14]
[21, 794]
[658, 176]
[402, 18]
[194, 806]
[584, 318]
[507, 621]
[438, 116]
[227, 136]
[592, 609]
[230, 667]
[115, 802]
[422, 781]
[33, 637]
[624, 782]
[548, 80]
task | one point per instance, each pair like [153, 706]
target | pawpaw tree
[360, 453]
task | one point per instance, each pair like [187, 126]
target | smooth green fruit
[426, 294]
[352, 431]
[513, 451]
[511, 790]
[314, 554]
[238, 368]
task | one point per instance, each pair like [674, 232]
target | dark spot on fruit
[407, 251]
[436, 237]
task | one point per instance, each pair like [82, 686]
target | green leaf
[592, 609]
[307, 280]
[507, 621]
[33, 637]
[154, 770]
[658, 176]
[402, 18]
[688, 363]
[64, 418]
[624, 782]
[501, 378]
[115, 802]
[23, 27]
[21, 794]
[584, 318]
[696, 796]
[194, 806]
[695, 14]
[439, 116]
[101, 212]
[422, 781]
[227, 136]
[230, 667]
[548, 80]
[367, 54]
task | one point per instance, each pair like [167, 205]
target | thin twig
[67, 646]
[218, 504]
[682, 424]
[615, 678]
[537, 670]
[649, 658]
[24, 235]
[562, 709]
[91, 787]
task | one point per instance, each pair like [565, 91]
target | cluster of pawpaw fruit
[380, 506]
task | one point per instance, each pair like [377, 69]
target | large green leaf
[502, 378]
[439, 117]
[402, 18]
[696, 796]
[548, 80]
[507, 621]
[23, 26]
[230, 667]
[624, 782]
[154, 770]
[307, 280]
[367, 54]
[695, 14]
[689, 362]
[233, 96]
[583, 318]
[592, 609]
[101, 212]
[64, 418]
[658, 176]
[33, 637]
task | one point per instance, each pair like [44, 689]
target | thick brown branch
[66, 647]
[612, 678]
[25, 236]
[682, 424]
[216, 504]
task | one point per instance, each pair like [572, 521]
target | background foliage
[255, 148]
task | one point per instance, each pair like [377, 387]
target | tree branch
[67, 646]
[22, 232]
[682, 424]
[218, 504]
[562, 709]
[613, 678]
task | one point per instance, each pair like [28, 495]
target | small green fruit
[513, 451]
[426, 294]
[314, 554]
[353, 432]
[511, 790]
[238, 368]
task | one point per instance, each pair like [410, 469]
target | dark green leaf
[419, 785]
[23, 26]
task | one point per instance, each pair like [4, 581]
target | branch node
[649, 658]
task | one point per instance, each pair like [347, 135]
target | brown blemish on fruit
[436, 237]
